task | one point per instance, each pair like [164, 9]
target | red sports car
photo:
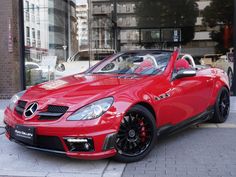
[118, 107]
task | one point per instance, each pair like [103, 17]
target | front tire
[137, 135]
[222, 106]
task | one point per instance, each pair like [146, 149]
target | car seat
[148, 63]
[182, 64]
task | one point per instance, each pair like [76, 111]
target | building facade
[82, 25]
[130, 35]
[49, 25]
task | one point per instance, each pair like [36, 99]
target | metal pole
[69, 28]
[90, 30]
[234, 76]
[22, 45]
[115, 23]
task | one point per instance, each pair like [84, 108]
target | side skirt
[170, 129]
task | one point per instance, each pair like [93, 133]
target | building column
[234, 77]
[10, 77]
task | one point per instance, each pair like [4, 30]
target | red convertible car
[119, 107]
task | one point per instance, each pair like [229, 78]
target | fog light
[79, 144]
[77, 140]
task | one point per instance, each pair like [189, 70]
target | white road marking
[212, 125]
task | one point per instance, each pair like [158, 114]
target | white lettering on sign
[23, 134]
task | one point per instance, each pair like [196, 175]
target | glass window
[50, 37]
[38, 35]
[32, 8]
[33, 33]
[27, 31]
[27, 6]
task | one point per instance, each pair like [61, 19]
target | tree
[168, 14]
[220, 14]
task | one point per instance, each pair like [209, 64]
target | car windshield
[144, 63]
[98, 54]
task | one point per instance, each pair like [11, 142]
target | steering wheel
[190, 59]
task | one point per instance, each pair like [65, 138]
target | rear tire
[222, 106]
[137, 135]
[230, 76]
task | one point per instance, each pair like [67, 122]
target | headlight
[93, 110]
[15, 98]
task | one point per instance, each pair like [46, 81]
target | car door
[183, 98]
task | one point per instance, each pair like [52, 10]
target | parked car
[33, 73]
[118, 107]
[36, 74]
[220, 61]
[81, 61]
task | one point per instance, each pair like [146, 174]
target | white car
[37, 73]
[81, 61]
[223, 62]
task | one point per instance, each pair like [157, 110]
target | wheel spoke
[130, 120]
[125, 121]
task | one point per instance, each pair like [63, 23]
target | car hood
[78, 90]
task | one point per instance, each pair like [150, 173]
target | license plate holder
[24, 134]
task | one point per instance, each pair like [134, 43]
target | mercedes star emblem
[30, 110]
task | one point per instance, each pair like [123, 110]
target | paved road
[206, 151]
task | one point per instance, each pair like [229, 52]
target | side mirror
[185, 73]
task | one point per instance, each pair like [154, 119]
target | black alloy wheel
[222, 106]
[136, 136]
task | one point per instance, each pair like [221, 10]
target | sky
[81, 1]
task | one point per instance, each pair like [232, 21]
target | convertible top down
[118, 107]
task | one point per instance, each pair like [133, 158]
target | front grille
[20, 107]
[53, 112]
[57, 109]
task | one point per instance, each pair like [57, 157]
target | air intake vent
[57, 109]
[20, 107]
[53, 112]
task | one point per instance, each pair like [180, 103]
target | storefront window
[50, 37]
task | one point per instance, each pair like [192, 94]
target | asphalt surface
[206, 150]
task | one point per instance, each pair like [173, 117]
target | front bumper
[51, 136]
